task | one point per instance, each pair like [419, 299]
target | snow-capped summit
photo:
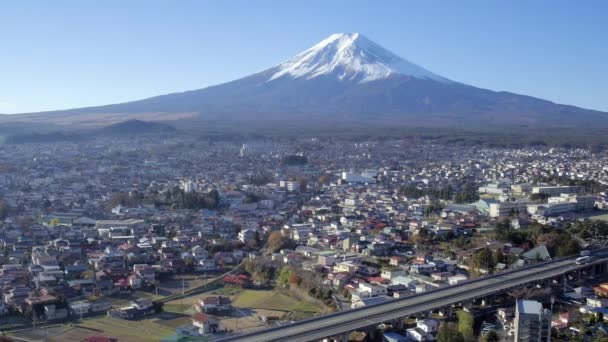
[345, 81]
[350, 56]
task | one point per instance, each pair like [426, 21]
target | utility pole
[181, 301]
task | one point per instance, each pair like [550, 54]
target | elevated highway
[337, 324]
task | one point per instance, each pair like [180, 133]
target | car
[583, 260]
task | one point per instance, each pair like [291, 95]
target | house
[247, 235]
[421, 288]
[338, 280]
[326, 259]
[372, 290]
[80, 308]
[601, 290]
[100, 306]
[240, 280]
[207, 265]
[135, 281]
[425, 330]
[204, 323]
[52, 312]
[83, 286]
[358, 302]
[346, 267]
[409, 282]
[214, 304]
[392, 273]
[74, 271]
[597, 302]
[457, 279]
[145, 272]
[562, 321]
[138, 308]
[539, 253]
[394, 337]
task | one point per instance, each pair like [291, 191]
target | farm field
[124, 330]
[603, 217]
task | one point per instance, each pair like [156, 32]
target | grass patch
[272, 300]
[307, 307]
[600, 217]
[177, 308]
[147, 295]
[124, 330]
[226, 291]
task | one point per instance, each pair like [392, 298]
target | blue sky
[64, 54]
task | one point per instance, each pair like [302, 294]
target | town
[177, 238]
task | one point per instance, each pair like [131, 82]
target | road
[342, 322]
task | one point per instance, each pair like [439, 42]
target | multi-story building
[508, 208]
[188, 186]
[532, 322]
[555, 190]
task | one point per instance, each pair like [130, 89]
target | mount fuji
[345, 78]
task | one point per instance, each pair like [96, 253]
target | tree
[276, 241]
[294, 279]
[491, 336]
[88, 275]
[261, 271]
[568, 247]
[483, 259]
[501, 257]
[465, 325]
[600, 337]
[283, 277]
[449, 333]
[252, 198]
[121, 198]
[261, 178]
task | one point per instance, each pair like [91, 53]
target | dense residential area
[179, 238]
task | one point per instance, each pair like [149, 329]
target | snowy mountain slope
[350, 56]
[344, 78]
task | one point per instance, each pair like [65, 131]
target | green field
[600, 217]
[273, 300]
[142, 330]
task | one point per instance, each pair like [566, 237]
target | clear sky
[63, 54]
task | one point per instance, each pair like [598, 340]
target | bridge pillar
[564, 282]
[485, 301]
[446, 312]
[592, 271]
